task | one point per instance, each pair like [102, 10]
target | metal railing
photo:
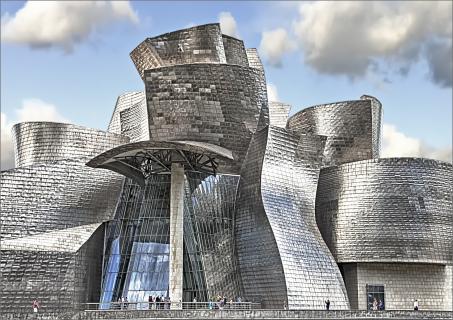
[168, 305]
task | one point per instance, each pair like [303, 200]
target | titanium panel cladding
[215, 103]
[54, 196]
[387, 210]
[134, 122]
[278, 113]
[234, 51]
[200, 44]
[352, 128]
[61, 279]
[279, 213]
[124, 102]
[37, 142]
[254, 59]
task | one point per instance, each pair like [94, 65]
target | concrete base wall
[430, 284]
[246, 314]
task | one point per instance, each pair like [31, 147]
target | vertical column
[176, 234]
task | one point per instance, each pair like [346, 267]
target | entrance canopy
[139, 160]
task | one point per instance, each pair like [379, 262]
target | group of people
[377, 305]
[159, 302]
[221, 302]
[123, 303]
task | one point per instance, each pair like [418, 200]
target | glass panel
[375, 297]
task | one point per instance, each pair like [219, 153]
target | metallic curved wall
[61, 271]
[387, 210]
[55, 196]
[200, 44]
[124, 102]
[37, 142]
[352, 128]
[281, 252]
[278, 113]
[254, 59]
[52, 211]
[258, 256]
[215, 103]
[234, 51]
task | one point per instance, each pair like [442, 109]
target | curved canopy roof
[138, 160]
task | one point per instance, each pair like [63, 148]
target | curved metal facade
[282, 257]
[37, 142]
[234, 51]
[200, 44]
[52, 210]
[218, 104]
[352, 128]
[56, 196]
[123, 103]
[387, 210]
[225, 196]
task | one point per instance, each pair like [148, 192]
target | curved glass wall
[136, 263]
[210, 267]
[137, 244]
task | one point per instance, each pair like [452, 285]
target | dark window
[421, 202]
[375, 297]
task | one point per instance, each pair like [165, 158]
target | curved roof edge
[364, 97]
[71, 125]
[214, 65]
[390, 160]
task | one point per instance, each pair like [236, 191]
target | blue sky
[313, 53]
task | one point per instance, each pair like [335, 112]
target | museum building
[202, 187]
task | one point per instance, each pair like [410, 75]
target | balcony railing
[145, 305]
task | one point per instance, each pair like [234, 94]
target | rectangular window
[421, 202]
[375, 297]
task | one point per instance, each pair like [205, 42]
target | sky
[68, 61]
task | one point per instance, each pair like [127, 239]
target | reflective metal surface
[282, 257]
[52, 209]
[37, 142]
[352, 128]
[387, 210]
[214, 103]
[242, 208]
[199, 44]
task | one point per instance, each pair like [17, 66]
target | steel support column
[176, 234]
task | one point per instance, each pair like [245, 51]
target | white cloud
[228, 24]
[397, 144]
[272, 93]
[31, 110]
[274, 44]
[44, 24]
[38, 110]
[349, 37]
[7, 151]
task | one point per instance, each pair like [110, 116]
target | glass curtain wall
[136, 257]
[210, 267]
[137, 244]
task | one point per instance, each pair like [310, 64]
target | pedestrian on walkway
[35, 306]
[327, 302]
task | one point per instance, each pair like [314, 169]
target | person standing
[35, 306]
[375, 305]
[416, 305]
[381, 305]
[327, 302]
